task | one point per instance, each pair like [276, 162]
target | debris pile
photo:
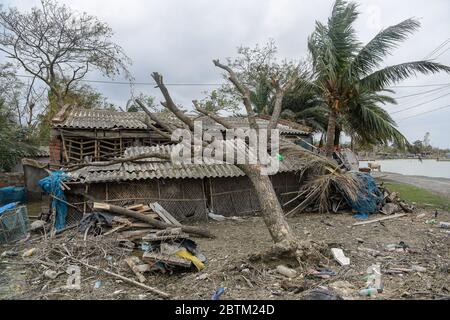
[166, 249]
[146, 239]
[354, 191]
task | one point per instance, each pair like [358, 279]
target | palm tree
[348, 78]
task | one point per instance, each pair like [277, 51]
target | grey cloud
[180, 38]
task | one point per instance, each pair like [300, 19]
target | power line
[442, 53]
[135, 83]
[421, 104]
[423, 85]
[213, 84]
[443, 44]
[423, 92]
[426, 112]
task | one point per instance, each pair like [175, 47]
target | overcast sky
[179, 38]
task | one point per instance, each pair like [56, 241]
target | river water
[413, 167]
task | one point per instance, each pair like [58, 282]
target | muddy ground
[228, 265]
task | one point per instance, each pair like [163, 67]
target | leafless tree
[58, 46]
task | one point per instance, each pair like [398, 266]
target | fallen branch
[395, 216]
[145, 218]
[151, 289]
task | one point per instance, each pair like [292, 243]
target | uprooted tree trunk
[285, 242]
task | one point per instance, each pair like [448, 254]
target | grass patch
[422, 197]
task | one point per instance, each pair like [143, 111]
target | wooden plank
[165, 216]
[395, 216]
[154, 237]
[145, 209]
[135, 207]
[151, 257]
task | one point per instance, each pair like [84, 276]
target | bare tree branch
[244, 91]
[153, 117]
[280, 92]
[212, 115]
[169, 102]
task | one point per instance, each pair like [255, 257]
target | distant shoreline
[434, 184]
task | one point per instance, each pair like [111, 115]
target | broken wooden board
[132, 262]
[163, 214]
[155, 237]
[151, 215]
[136, 207]
[144, 209]
[135, 234]
[152, 258]
[380, 219]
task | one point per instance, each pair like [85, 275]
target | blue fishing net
[370, 198]
[52, 185]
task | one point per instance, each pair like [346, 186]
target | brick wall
[55, 150]
[14, 179]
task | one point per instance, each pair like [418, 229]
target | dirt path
[437, 185]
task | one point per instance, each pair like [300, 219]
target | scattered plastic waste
[369, 199]
[8, 253]
[373, 283]
[216, 217]
[97, 284]
[368, 292]
[52, 185]
[183, 253]
[218, 293]
[285, 271]
[29, 252]
[444, 225]
[8, 206]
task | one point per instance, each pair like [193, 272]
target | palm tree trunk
[329, 147]
[337, 137]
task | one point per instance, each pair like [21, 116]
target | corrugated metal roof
[79, 118]
[242, 122]
[39, 152]
[157, 169]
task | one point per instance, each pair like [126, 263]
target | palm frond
[372, 124]
[374, 52]
[396, 73]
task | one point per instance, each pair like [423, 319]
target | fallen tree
[285, 242]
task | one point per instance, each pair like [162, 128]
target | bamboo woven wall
[188, 199]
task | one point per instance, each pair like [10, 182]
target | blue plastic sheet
[52, 185]
[12, 194]
[370, 198]
[8, 206]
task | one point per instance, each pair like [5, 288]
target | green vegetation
[422, 197]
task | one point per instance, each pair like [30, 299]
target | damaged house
[188, 191]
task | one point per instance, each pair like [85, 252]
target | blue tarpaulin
[8, 206]
[370, 198]
[12, 194]
[52, 185]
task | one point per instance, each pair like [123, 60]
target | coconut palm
[350, 79]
